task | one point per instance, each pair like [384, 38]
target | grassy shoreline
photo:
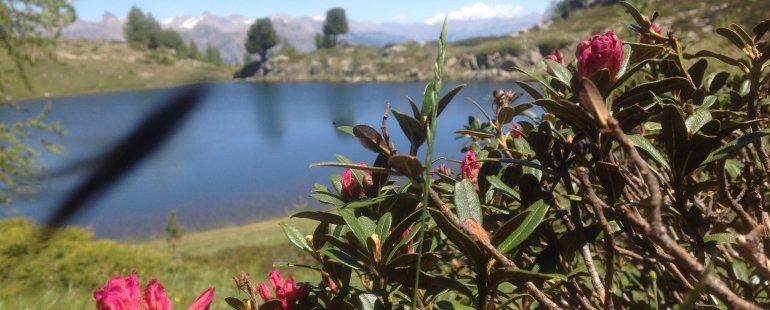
[74, 263]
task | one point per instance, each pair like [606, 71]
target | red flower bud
[557, 57]
[155, 296]
[648, 40]
[351, 188]
[470, 167]
[600, 52]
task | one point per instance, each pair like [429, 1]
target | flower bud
[648, 40]
[351, 188]
[600, 52]
[557, 57]
[470, 167]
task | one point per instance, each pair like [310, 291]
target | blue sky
[375, 11]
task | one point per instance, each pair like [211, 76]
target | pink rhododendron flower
[557, 57]
[600, 52]
[286, 291]
[124, 293]
[645, 39]
[155, 296]
[203, 302]
[351, 188]
[470, 167]
[119, 293]
[264, 292]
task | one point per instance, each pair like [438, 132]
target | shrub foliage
[642, 183]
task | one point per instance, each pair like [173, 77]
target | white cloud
[479, 10]
[319, 17]
[400, 17]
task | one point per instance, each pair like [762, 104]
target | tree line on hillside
[142, 30]
[261, 37]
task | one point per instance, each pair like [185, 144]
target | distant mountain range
[229, 32]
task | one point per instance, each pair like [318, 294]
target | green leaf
[638, 17]
[444, 101]
[732, 36]
[413, 130]
[724, 58]
[732, 147]
[560, 72]
[383, 225]
[535, 216]
[497, 183]
[467, 201]
[530, 90]
[367, 225]
[368, 301]
[646, 91]
[371, 139]
[355, 226]
[646, 147]
[697, 120]
[346, 129]
[296, 237]
[719, 238]
[323, 217]
[760, 29]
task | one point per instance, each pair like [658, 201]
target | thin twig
[656, 231]
[609, 239]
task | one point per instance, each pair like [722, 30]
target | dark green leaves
[760, 29]
[371, 139]
[444, 101]
[413, 129]
[534, 215]
[407, 165]
[645, 92]
[467, 201]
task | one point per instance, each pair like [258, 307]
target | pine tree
[336, 24]
[261, 37]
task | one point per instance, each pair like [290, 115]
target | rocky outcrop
[404, 62]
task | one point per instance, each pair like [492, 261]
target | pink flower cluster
[351, 188]
[123, 293]
[286, 291]
[470, 167]
[600, 52]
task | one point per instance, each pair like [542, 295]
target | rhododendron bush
[642, 182]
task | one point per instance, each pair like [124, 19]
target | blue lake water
[243, 155]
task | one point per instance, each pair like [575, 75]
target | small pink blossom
[557, 57]
[286, 291]
[351, 188]
[119, 293]
[124, 293]
[155, 296]
[600, 52]
[470, 167]
[203, 302]
[264, 292]
[648, 40]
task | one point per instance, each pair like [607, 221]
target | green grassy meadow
[63, 273]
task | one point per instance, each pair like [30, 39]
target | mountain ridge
[228, 32]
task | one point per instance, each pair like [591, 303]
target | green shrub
[642, 184]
